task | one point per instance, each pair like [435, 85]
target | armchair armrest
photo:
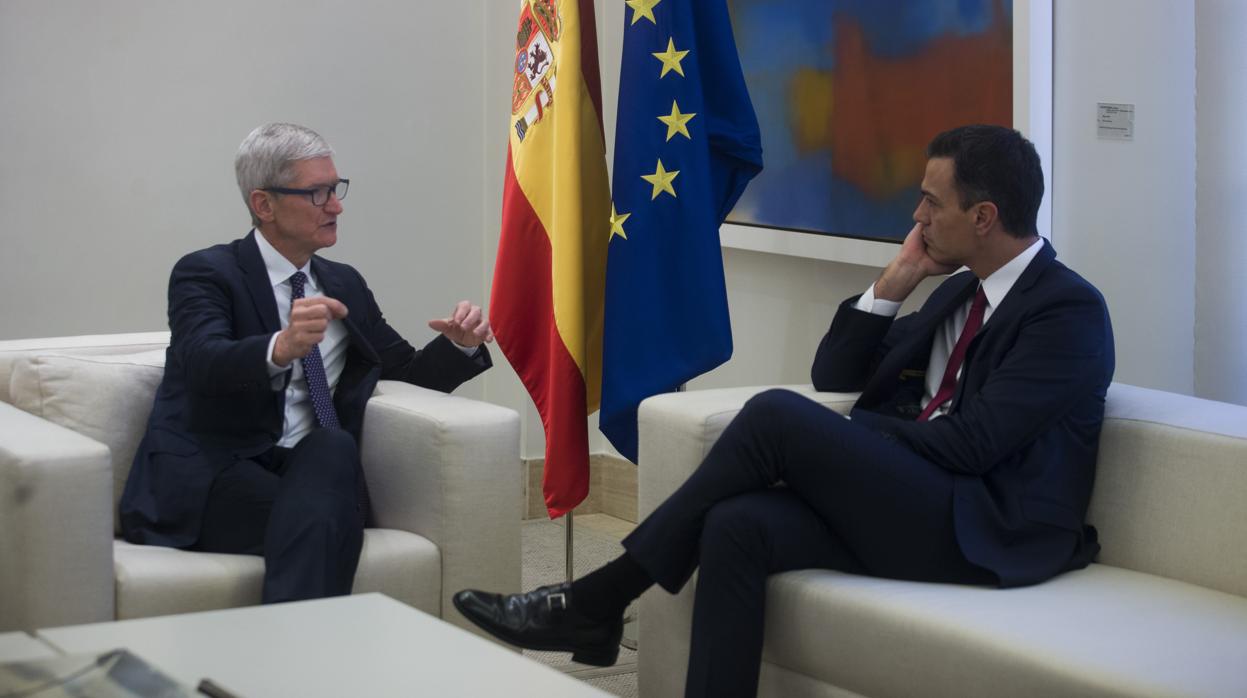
[448, 468]
[56, 525]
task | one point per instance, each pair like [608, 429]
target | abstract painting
[849, 92]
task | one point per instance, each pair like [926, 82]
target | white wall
[1221, 284]
[1124, 212]
[120, 121]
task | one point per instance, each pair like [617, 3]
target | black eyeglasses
[319, 195]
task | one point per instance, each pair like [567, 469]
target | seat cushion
[154, 581]
[13, 350]
[107, 398]
[1101, 631]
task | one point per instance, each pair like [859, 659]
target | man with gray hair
[253, 441]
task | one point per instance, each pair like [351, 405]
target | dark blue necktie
[322, 399]
[314, 369]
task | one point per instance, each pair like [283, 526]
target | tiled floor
[596, 542]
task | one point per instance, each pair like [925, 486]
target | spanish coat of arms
[535, 69]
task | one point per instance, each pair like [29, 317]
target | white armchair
[444, 473]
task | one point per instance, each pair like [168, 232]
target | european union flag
[686, 144]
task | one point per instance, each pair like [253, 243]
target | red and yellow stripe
[546, 306]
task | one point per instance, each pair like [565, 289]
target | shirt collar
[279, 268]
[997, 286]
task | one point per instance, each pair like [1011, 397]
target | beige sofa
[444, 473]
[1162, 613]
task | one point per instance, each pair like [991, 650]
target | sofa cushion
[107, 398]
[883, 637]
[13, 350]
[1163, 499]
[154, 581]
[1170, 470]
[403, 566]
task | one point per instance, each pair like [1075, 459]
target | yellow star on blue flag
[661, 179]
[643, 9]
[676, 122]
[671, 59]
[617, 221]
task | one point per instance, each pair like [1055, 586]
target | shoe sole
[592, 657]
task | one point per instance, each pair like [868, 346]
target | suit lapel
[1012, 302]
[1002, 316]
[333, 286]
[255, 275]
[329, 282]
[950, 295]
[960, 288]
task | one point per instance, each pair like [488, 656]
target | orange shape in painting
[877, 115]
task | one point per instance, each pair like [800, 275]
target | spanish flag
[547, 301]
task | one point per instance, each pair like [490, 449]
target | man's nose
[333, 204]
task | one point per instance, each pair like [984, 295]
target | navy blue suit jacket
[216, 403]
[1023, 427]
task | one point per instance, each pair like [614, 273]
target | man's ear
[986, 215]
[262, 205]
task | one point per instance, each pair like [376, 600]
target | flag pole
[568, 540]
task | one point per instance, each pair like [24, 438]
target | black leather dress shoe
[543, 619]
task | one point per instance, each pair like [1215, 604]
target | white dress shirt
[299, 417]
[995, 287]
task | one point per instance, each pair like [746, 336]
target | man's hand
[465, 326]
[309, 318]
[911, 265]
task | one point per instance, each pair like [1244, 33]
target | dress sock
[604, 593]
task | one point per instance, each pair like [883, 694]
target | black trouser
[849, 500]
[296, 507]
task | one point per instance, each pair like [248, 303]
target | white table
[363, 645]
[20, 647]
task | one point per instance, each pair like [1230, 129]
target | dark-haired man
[969, 457]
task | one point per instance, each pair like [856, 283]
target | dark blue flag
[686, 144]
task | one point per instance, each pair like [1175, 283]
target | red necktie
[949, 383]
